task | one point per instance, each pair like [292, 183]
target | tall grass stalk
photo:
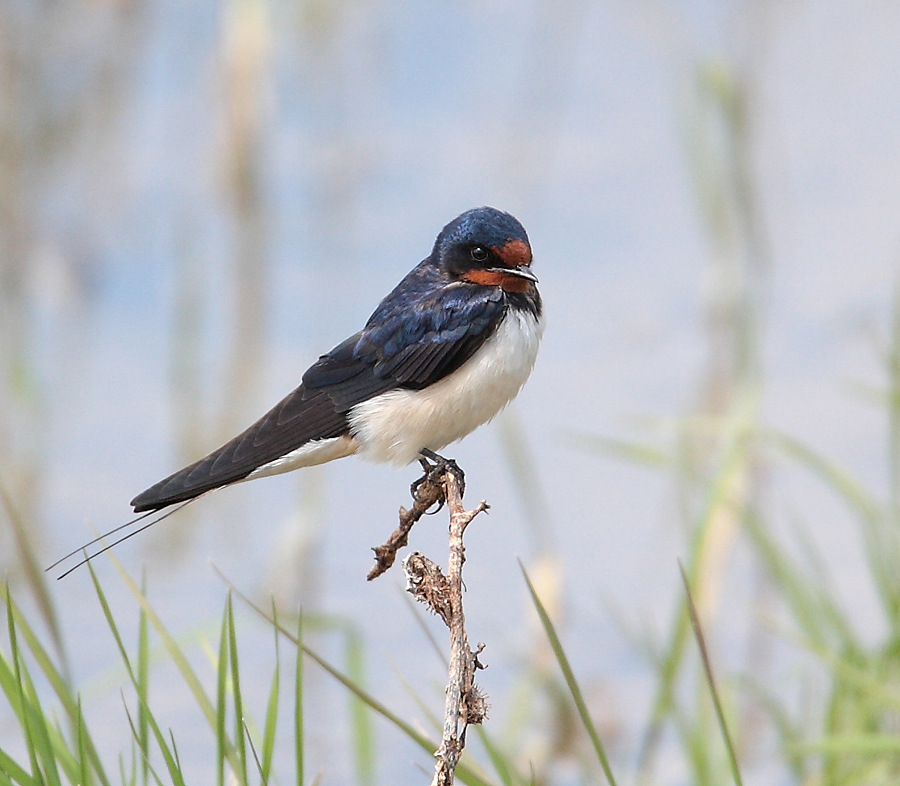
[571, 682]
[707, 668]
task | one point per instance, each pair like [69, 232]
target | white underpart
[316, 452]
[396, 425]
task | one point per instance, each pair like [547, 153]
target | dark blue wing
[427, 328]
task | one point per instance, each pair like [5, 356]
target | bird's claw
[434, 466]
[431, 476]
[450, 465]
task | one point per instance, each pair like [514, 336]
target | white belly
[396, 425]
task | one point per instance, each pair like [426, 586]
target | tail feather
[299, 418]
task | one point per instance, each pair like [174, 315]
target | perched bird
[441, 355]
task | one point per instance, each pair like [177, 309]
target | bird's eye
[479, 253]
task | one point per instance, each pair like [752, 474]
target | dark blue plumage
[484, 226]
[428, 327]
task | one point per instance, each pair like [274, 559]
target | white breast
[396, 425]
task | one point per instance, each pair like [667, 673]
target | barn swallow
[443, 353]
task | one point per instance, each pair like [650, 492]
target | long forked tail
[83, 549]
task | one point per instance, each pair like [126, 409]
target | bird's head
[488, 247]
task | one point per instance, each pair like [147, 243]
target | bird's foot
[434, 466]
[428, 468]
[432, 477]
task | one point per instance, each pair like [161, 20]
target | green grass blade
[834, 476]
[143, 688]
[859, 676]
[256, 758]
[175, 750]
[85, 778]
[426, 743]
[852, 744]
[13, 689]
[239, 732]
[707, 667]
[170, 760]
[10, 769]
[503, 768]
[429, 716]
[298, 696]
[32, 737]
[51, 756]
[363, 743]
[569, 677]
[123, 776]
[812, 607]
[222, 701]
[268, 743]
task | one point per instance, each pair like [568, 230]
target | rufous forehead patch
[514, 253]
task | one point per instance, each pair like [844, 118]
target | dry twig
[427, 495]
[464, 703]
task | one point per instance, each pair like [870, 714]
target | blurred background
[198, 199]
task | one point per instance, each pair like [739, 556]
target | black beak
[522, 271]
